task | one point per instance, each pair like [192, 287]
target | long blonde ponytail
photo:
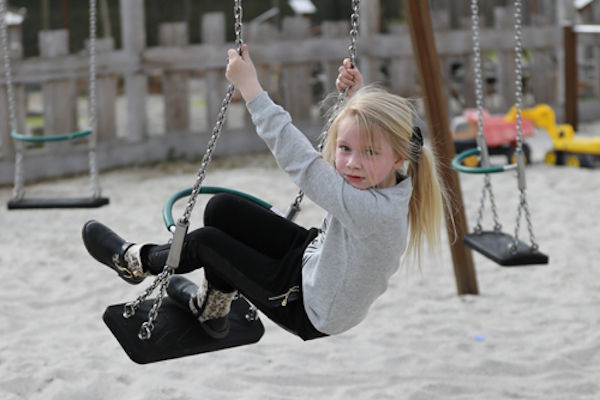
[425, 209]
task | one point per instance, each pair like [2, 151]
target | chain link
[523, 205]
[18, 190]
[92, 102]
[341, 98]
[483, 151]
[162, 279]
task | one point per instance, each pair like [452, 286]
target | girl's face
[361, 165]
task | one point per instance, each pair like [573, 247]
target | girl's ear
[399, 162]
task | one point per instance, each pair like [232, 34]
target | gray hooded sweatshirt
[347, 267]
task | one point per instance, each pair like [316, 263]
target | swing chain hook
[130, 308]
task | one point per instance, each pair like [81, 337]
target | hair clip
[417, 138]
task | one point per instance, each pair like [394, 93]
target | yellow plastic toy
[569, 149]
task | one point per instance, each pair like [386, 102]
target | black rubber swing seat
[68, 202]
[177, 333]
[496, 246]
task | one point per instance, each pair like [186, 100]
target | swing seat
[496, 246]
[176, 332]
[69, 202]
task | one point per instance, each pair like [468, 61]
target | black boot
[110, 249]
[210, 306]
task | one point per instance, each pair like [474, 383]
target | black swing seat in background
[496, 246]
[177, 333]
[68, 202]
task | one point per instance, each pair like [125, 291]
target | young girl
[375, 180]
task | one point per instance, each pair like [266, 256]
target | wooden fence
[156, 103]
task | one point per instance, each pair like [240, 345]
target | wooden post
[426, 57]
[133, 38]
[59, 95]
[175, 84]
[570, 49]
[597, 70]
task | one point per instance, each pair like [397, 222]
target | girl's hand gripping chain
[348, 77]
[242, 74]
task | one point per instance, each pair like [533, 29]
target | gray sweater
[348, 266]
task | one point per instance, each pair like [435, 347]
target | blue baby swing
[135, 325]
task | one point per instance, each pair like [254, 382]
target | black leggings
[248, 248]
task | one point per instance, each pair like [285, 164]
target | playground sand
[532, 332]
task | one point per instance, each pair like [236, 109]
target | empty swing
[19, 200]
[500, 247]
[135, 325]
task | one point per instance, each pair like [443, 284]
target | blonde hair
[375, 111]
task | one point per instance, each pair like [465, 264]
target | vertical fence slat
[404, 79]
[295, 78]
[59, 95]
[213, 32]
[106, 92]
[504, 22]
[133, 38]
[333, 30]
[175, 84]
[544, 76]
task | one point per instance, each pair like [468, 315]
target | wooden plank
[106, 96]
[334, 30]
[175, 84]
[426, 56]
[370, 24]
[544, 80]
[210, 55]
[59, 95]
[295, 76]
[133, 38]
[213, 31]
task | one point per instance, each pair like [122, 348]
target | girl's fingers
[245, 53]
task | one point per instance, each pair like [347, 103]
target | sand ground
[531, 333]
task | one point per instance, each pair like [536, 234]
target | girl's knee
[219, 207]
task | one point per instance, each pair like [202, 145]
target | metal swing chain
[94, 180]
[352, 49]
[483, 150]
[162, 279]
[523, 205]
[18, 190]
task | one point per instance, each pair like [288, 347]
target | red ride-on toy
[500, 134]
